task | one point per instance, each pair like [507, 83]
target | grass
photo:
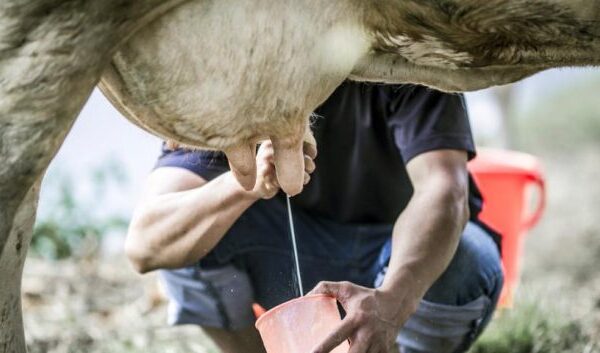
[535, 326]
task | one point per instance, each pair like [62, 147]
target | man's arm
[427, 233]
[181, 217]
[425, 238]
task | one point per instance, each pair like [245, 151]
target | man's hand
[267, 184]
[373, 317]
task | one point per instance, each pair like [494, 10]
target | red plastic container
[504, 178]
[299, 325]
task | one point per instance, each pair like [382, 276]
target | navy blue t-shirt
[366, 133]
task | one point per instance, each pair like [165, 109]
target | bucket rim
[494, 161]
[270, 312]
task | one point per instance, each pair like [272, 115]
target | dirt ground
[99, 307]
[102, 306]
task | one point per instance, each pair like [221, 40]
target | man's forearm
[425, 238]
[177, 229]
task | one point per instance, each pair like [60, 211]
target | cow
[226, 74]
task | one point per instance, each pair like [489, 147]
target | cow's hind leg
[29, 137]
[11, 267]
[52, 53]
[28, 141]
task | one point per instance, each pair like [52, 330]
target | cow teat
[289, 161]
[242, 162]
[289, 164]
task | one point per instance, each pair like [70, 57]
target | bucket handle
[535, 216]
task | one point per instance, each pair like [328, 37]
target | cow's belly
[215, 74]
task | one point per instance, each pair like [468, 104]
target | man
[387, 225]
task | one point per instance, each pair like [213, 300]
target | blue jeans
[254, 263]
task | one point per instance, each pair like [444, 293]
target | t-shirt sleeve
[206, 164]
[423, 120]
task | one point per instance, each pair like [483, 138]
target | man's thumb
[333, 289]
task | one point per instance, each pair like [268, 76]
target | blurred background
[80, 295]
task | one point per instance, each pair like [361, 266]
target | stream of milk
[294, 246]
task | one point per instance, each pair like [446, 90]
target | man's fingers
[310, 149]
[289, 164]
[339, 290]
[309, 164]
[334, 339]
[242, 162]
[306, 178]
[360, 346]
[327, 288]
[377, 347]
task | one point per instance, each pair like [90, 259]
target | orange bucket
[504, 178]
[299, 325]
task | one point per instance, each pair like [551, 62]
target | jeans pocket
[440, 328]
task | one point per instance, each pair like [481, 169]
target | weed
[533, 326]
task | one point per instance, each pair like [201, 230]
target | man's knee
[441, 328]
[474, 271]
[220, 298]
[461, 302]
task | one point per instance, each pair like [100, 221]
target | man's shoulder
[206, 163]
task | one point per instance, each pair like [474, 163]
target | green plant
[74, 222]
[533, 326]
